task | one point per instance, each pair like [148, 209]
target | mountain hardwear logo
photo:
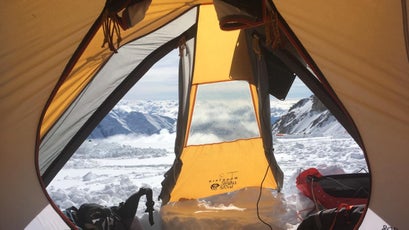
[224, 181]
[214, 186]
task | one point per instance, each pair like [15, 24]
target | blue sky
[165, 75]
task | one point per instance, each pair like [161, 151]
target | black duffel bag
[344, 217]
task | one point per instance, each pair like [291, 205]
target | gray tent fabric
[261, 81]
[104, 83]
[186, 51]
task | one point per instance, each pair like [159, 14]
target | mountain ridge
[307, 116]
[119, 122]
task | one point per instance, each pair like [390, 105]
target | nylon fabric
[94, 56]
[102, 85]
[211, 169]
[215, 68]
[360, 48]
[220, 168]
[358, 45]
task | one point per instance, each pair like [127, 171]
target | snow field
[88, 178]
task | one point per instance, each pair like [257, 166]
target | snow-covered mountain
[308, 117]
[130, 118]
[150, 117]
[305, 117]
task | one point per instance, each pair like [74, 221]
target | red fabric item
[307, 183]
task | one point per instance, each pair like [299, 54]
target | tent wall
[89, 61]
[243, 162]
[358, 45]
[240, 163]
[120, 66]
[37, 43]
[360, 48]
[38, 38]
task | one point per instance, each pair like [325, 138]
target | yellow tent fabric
[94, 56]
[105, 84]
[358, 45]
[221, 42]
[360, 48]
[215, 168]
[38, 40]
[243, 162]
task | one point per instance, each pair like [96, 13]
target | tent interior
[64, 68]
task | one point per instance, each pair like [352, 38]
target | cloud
[216, 121]
[159, 83]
